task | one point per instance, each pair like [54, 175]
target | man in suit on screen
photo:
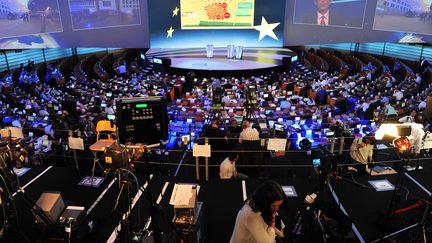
[324, 14]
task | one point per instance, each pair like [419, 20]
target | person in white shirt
[109, 110]
[390, 111]
[256, 221]
[361, 151]
[417, 134]
[228, 169]
[398, 95]
[248, 133]
[410, 118]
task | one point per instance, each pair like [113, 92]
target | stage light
[387, 130]
[116, 157]
[403, 145]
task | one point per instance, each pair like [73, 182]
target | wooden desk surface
[384, 172]
[101, 145]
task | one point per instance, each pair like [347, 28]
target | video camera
[251, 96]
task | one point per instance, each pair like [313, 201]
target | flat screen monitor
[279, 127]
[111, 117]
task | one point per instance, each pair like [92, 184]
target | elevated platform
[253, 62]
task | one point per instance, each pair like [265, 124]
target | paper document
[381, 146]
[181, 195]
[289, 191]
[76, 143]
[201, 150]
[382, 185]
[277, 144]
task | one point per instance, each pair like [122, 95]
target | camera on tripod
[251, 96]
[217, 96]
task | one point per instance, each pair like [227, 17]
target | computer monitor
[239, 119]
[279, 127]
[111, 117]
[271, 123]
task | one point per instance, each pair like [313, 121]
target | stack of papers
[181, 195]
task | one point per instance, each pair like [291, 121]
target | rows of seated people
[298, 100]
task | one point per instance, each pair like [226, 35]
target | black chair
[252, 154]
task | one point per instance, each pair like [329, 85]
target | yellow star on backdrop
[175, 11]
[266, 29]
[170, 32]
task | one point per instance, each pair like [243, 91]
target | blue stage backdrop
[359, 21]
[73, 23]
[166, 23]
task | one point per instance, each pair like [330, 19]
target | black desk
[422, 177]
[366, 207]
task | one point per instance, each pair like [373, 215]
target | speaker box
[51, 203]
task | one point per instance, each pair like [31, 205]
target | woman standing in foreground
[255, 222]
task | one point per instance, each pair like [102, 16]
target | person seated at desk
[217, 139]
[249, 133]
[228, 169]
[361, 152]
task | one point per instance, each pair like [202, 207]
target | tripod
[250, 113]
[216, 113]
[155, 209]
[124, 181]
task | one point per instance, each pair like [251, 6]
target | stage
[254, 60]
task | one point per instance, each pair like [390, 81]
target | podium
[230, 51]
[239, 52]
[209, 51]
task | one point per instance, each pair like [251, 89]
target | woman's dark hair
[263, 197]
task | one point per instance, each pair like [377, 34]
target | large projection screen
[73, 23]
[198, 23]
[217, 14]
[403, 21]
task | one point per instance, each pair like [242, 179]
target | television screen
[204, 14]
[71, 23]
